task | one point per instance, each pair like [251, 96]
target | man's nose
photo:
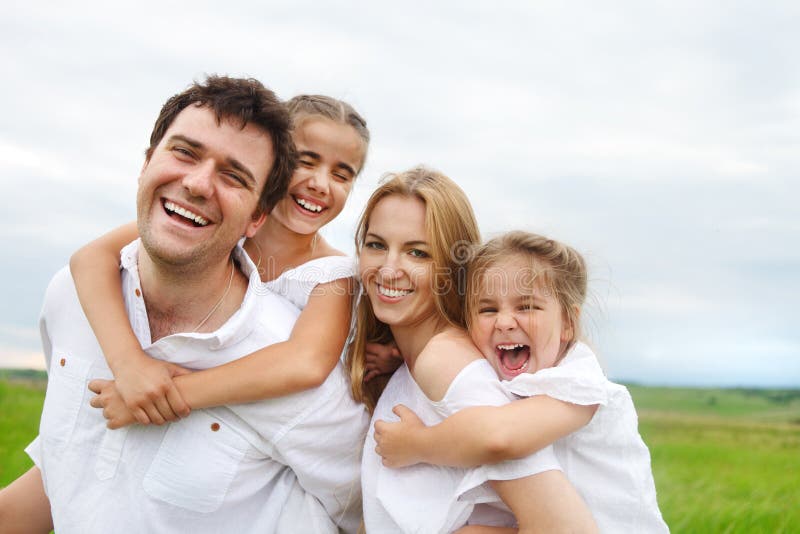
[199, 182]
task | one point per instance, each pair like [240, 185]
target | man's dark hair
[249, 102]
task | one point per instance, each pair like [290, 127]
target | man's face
[198, 192]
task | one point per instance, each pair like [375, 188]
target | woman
[411, 241]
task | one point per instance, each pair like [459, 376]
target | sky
[661, 139]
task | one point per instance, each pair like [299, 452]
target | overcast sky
[661, 139]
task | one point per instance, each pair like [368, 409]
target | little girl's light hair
[559, 267]
[304, 107]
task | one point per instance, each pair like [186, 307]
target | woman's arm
[480, 434]
[302, 362]
[143, 382]
[546, 502]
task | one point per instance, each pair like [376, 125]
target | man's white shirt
[289, 464]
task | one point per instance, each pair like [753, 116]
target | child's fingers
[153, 414]
[177, 403]
[141, 416]
[96, 385]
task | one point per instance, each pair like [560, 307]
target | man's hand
[400, 444]
[147, 388]
[381, 360]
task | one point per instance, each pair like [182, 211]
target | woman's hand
[381, 360]
[146, 386]
[402, 443]
[109, 399]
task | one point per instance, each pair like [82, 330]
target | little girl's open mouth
[514, 358]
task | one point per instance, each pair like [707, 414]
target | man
[220, 157]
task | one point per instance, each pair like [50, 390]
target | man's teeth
[310, 206]
[510, 347]
[171, 206]
[393, 292]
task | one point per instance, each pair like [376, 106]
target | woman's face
[329, 158]
[395, 262]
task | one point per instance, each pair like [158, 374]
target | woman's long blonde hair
[452, 234]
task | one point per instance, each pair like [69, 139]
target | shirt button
[138, 293]
[214, 427]
[63, 362]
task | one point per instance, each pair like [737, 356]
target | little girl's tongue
[514, 360]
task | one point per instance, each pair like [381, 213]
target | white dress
[606, 460]
[429, 499]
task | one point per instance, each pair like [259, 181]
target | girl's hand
[147, 388]
[381, 360]
[114, 408]
[400, 443]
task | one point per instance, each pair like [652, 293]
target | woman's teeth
[394, 293]
[186, 214]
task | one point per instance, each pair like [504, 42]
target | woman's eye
[417, 253]
[375, 245]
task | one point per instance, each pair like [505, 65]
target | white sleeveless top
[429, 499]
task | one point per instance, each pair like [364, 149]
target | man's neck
[197, 298]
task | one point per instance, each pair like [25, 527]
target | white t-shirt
[428, 499]
[606, 460]
[283, 465]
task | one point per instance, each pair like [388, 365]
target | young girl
[524, 298]
[331, 140]
[413, 295]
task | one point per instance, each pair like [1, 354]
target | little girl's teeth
[510, 347]
[310, 206]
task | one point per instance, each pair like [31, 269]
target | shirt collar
[235, 329]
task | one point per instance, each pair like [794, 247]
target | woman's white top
[606, 460]
[428, 499]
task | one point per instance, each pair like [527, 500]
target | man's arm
[24, 506]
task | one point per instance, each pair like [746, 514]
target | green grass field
[724, 460]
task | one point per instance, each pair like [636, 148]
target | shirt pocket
[196, 463]
[66, 390]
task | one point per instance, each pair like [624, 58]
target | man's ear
[255, 223]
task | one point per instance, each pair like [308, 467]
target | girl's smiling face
[395, 262]
[329, 158]
[518, 325]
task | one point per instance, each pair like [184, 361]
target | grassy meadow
[724, 460]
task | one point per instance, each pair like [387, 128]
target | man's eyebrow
[251, 181]
[232, 162]
[188, 140]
